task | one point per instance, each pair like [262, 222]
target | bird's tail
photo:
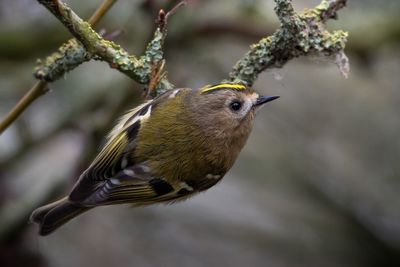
[55, 214]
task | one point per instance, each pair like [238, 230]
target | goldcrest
[167, 149]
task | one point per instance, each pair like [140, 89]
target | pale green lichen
[92, 45]
[70, 55]
[299, 35]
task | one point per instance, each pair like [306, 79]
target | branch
[300, 35]
[39, 89]
[328, 9]
[100, 12]
[139, 69]
[71, 50]
[70, 54]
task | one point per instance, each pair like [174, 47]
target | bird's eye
[235, 105]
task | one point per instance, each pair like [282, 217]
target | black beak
[264, 99]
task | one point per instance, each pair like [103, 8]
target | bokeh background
[318, 183]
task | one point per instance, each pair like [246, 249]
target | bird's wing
[118, 152]
[136, 185]
[131, 185]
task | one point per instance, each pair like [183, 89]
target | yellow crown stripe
[224, 85]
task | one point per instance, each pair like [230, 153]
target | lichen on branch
[299, 35]
[68, 56]
[98, 48]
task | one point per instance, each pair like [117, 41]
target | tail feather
[55, 214]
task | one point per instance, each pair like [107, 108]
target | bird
[165, 150]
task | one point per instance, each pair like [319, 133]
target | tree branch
[39, 89]
[100, 12]
[72, 50]
[70, 54]
[139, 69]
[300, 35]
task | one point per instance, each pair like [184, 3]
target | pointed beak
[261, 100]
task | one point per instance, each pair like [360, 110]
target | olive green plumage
[165, 150]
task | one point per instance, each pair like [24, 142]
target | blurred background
[318, 183]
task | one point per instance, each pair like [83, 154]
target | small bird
[165, 150]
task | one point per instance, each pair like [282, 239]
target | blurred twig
[238, 28]
[40, 88]
[16, 213]
[100, 12]
[68, 121]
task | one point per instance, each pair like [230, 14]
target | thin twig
[163, 17]
[157, 74]
[100, 12]
[40, 88]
